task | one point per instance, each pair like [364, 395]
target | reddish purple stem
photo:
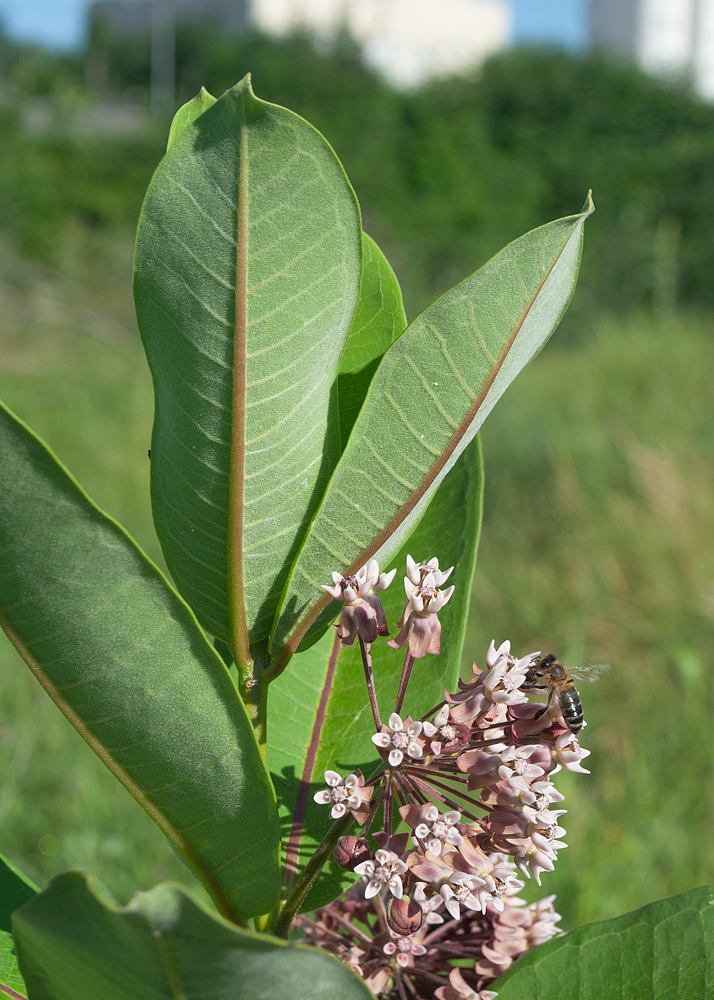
[12, 993]
[367, 661]
[404, 682]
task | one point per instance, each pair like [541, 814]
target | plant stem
[253, 688]
[367, 662]
[404, 682]
[309, 874]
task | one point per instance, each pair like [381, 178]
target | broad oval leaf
[663, 951]
[246, 279]
[431, 393]
[75, 944]
[318, 708]
[378, 321]
[125, 660]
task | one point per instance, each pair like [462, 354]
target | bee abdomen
[572, 710]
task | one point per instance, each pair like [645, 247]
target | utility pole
[163, 55]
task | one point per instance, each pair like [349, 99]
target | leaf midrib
[236, 507]
[171, 832]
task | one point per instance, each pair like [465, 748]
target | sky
[60, 23]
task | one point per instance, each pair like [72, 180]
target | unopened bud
[352, 851]
[404, 915]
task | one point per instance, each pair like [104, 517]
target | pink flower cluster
[471, 784]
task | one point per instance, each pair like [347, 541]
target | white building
[406, 40]
[667, 37]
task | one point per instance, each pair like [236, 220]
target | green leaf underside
[189, 113]
[431, 393]
[15, 889]
[318, 708]
[247, 275]
[378, 321]
[663, 951]
[126, 661]
[74, 944]
[11, 982]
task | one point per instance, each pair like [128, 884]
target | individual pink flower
[569, 753]
[516, 767]
[429, 906]
[362, 613]
[434, 829]
[345, 795]
[421, 628]
[506, 674]
[405, 950]
[444, 733]
[399, 738]
[386, 869]
[456, 888]
[417, 572]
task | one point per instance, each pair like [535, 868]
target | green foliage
[664, 950]
[75, 944]
[124, 659]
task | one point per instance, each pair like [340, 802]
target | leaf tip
[589, 206]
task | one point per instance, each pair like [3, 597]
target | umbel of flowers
[461, 807]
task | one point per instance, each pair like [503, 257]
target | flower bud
[404, 915]
[351, 851]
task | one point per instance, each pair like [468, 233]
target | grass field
[598, 544]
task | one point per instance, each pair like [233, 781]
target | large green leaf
[124, 658]
[247, 275]
[664, 951]
[319, 712]
[74, 944]
[378, 321]
[431, 393]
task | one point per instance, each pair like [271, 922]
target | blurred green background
[598, 539]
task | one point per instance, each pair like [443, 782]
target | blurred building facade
[408, 41]
[665, 37]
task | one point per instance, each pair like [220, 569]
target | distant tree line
[445, 174]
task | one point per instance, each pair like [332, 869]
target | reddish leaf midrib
[179, 841]
[236, 508]
[292, 847]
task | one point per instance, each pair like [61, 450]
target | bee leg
[541, 711]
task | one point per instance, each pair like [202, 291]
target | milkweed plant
[288, 709]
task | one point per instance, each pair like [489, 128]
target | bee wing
[589, 671]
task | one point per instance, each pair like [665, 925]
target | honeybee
[547, 673]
